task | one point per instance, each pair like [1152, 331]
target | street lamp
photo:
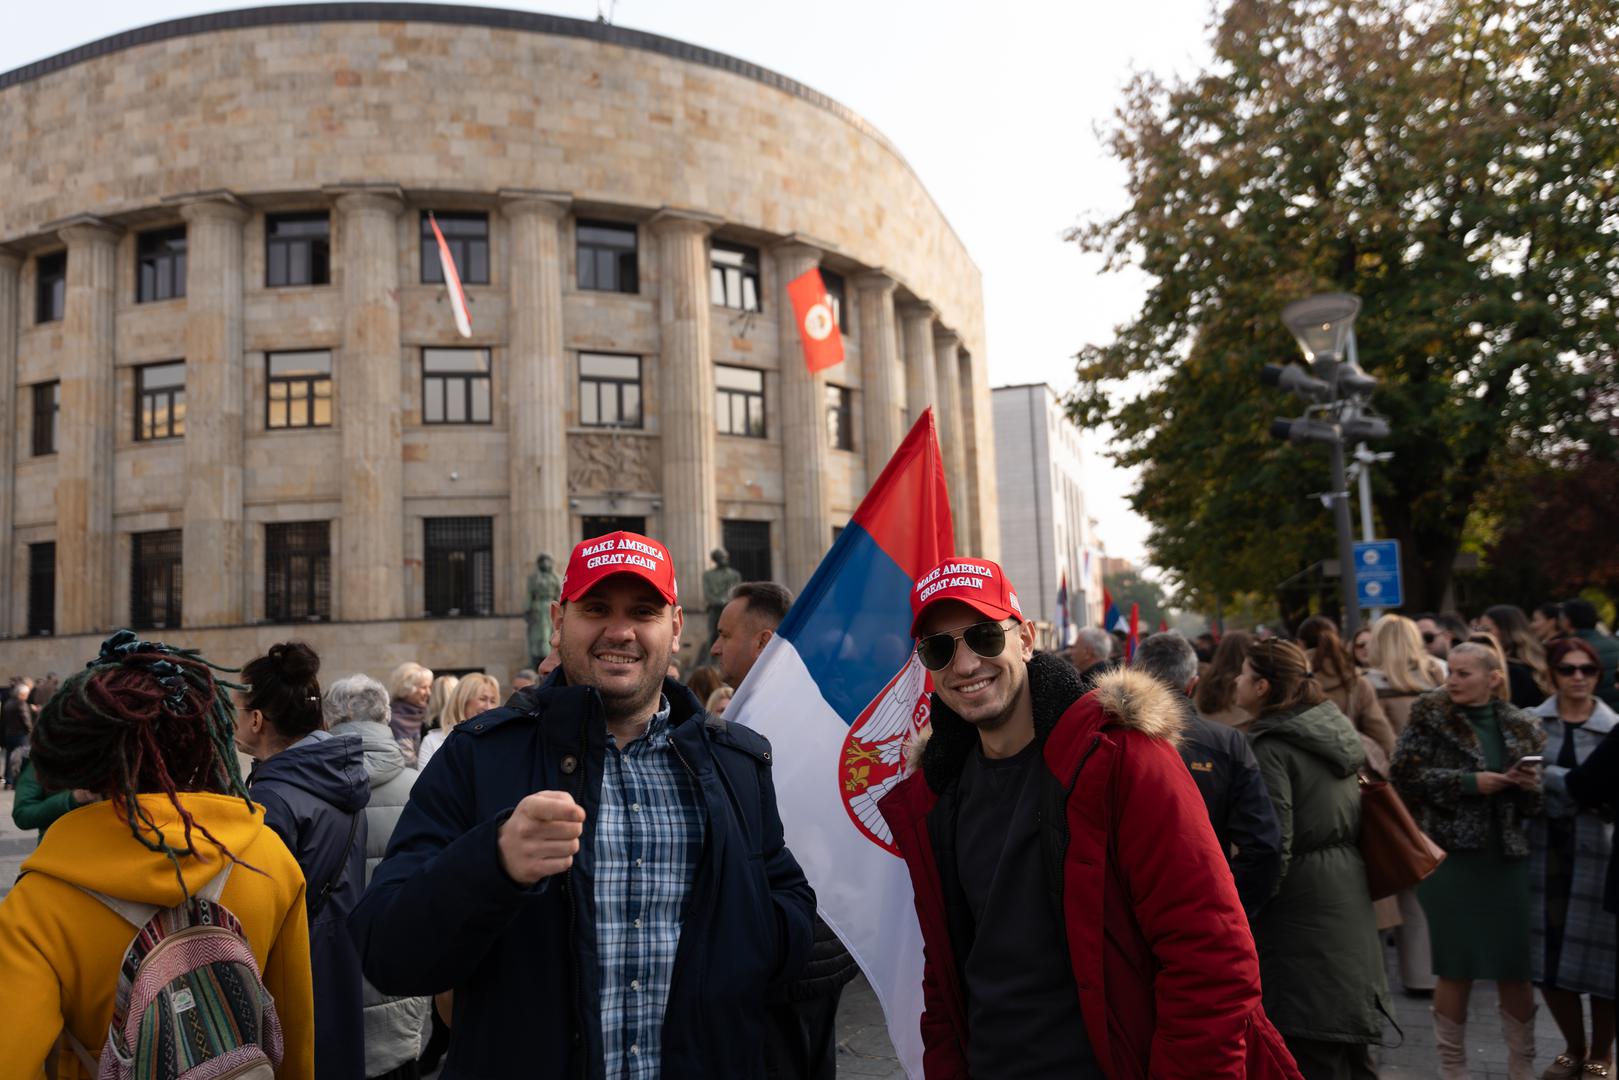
[1324, 327]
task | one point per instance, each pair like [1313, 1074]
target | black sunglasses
[987, 639]
[1588, 670]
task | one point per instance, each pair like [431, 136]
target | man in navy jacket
[597, 870]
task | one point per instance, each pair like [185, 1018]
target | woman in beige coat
[1334, 670]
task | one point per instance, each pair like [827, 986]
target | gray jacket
[393, 1025]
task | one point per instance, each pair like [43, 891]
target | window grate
[42, 589]
[748, 545]
[160, 401]
[298, 390]
[297, 249]
[456, 387]
[160, 265]
[50, 290]
[609, 390]
[467, 237]
[47, 414]
[298, 572]
[156, 581]
[606, 257]
[459, 566]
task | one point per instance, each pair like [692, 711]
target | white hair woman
[409, 687]
[474, 694]
[358, 705]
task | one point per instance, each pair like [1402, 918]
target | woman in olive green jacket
[1319, 957]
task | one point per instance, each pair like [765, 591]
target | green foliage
[1131, 588]
[1454, 165]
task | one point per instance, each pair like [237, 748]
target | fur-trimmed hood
[1129, 699]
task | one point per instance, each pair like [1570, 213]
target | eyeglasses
[987, 639]
[1590, 671]
[1429, 637]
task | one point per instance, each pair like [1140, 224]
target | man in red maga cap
[1077, 913]
[600, 862]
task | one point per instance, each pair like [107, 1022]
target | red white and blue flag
[840, 693]
[452, 281]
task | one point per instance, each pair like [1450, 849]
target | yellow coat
[60, 949]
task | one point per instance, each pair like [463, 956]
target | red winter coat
[1165, 965]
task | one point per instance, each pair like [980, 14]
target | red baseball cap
[619, 553]
[978, 583]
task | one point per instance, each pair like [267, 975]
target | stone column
[536, 389]
[84, 462]
[804, 450]
[10, 265]
[214, 541]
[371, 552]
[879, 372]
[921, 387]
[686, 403]
[952, 435]
[982, 500]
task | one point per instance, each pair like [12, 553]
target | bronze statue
[717, 585]
[543, 589]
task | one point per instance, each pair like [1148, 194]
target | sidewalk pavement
[864, 1049]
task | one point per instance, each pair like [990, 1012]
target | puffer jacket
[393, 1024]
[1439, 751]
[1319, 958]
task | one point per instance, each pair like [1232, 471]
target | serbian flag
[1062, 610]
[840, 693]
[817, 327]
[1111, 619]
[1134, 639]
[452, 281]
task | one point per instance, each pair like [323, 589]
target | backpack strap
[87, 1059]
[138, 915]
[342, 868]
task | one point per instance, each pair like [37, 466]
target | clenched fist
[541, 837]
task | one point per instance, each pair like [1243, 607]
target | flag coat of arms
[817, 325]
[840, 693]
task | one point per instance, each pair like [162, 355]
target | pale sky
[996, 106]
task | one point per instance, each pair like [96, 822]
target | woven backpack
[191, 1004]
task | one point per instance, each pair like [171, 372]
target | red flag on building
[452, 281]
[817, 326]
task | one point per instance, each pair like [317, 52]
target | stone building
[240, 405]
[1041, 488]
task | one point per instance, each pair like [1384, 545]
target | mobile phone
[1529, 759]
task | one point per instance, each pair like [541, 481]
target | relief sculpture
[608, 463]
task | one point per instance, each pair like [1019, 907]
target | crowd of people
[420, 874]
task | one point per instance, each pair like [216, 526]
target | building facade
[1047, 537]
[241, 408]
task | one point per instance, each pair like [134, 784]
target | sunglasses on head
[987, 639]
[1590, 671]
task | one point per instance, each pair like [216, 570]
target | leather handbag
[1397, 852]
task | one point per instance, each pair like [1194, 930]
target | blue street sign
[1377, 574]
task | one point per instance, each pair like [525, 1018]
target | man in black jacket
[1226, 773]
[597, 870]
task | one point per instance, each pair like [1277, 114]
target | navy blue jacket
[314, 796]
[442, 914]
[1227, 775]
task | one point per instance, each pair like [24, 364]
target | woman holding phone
[1457, 766]
[1572, 938]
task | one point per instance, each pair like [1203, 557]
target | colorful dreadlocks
[143, 717]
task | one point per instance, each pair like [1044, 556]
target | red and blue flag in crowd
[1134, 637]
[1111, 619]
[840, 693]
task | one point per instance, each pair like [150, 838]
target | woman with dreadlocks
[147, 729]
[314, 789]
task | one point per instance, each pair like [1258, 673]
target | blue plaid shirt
[649, 836]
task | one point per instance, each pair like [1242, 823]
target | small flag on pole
[1134, 639]
[452, 281]
[817, 326]
[1062, 610]
[1111, 619]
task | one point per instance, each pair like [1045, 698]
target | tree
[1454, 165]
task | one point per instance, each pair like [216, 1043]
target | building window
[455, 386]
[468, 238]
[748, 545]
[47, 412]
[609, 390]
[836, 292]
[155, 581]
[297, 249]
[739, 401]
[50, 287]
[592, 526]
[160, 265]
[839, 421]
[160, 401]
[459, 566]
[41, 590]
[733, 276]
[607, 257]
[298, 572]
[298, 392]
